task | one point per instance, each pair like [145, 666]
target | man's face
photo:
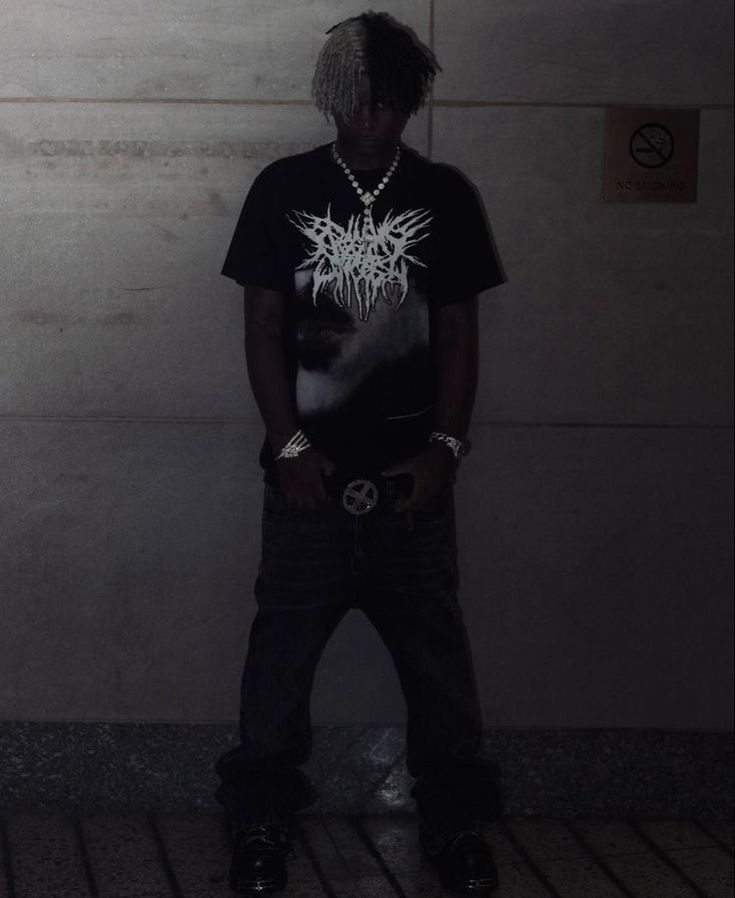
[375, 128]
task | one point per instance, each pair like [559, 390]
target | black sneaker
[259, 859]
[465, 864]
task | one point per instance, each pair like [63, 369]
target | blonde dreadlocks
[399, 68]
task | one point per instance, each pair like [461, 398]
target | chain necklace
[368, 197]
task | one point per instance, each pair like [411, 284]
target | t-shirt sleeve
[256, 255]
[468, 262]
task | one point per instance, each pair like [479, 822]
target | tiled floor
[138, 856]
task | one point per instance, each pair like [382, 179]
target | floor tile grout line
[527, 859]
[7, 864]
[313, 860]
[599, 860]
[662, 855]
[84, 855]
[720, 842]
[357, 826]
[163, 857]
[323, 819]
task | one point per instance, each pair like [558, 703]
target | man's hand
[430, 472]
[301, 478]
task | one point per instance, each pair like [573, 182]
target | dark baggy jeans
[402, 574]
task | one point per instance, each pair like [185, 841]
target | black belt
[361, 493]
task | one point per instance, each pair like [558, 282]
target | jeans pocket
[275, 501]
[439, 506]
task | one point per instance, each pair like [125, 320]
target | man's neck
[358, 159]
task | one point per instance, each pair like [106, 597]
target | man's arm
[300, 477]
[457, 349]
[457, 367]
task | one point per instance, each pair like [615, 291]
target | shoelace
[471, 833]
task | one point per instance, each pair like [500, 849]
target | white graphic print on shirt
[364, 261]
[364, 311]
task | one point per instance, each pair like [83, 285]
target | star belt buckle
[359, 497]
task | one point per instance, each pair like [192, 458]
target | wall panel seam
[434, 103]
[430, 118]
[548, 425]
[152, 101]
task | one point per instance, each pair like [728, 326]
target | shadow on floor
[139, 855]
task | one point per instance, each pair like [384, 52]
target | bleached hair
[399, 67]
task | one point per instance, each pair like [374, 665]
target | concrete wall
[594, 511]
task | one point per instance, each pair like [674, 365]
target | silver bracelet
[456, 447]
[298, 443]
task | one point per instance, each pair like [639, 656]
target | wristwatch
[458, 448]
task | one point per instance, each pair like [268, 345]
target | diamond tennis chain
[368, 197]
[368, 234]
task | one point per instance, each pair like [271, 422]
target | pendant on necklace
[367, 197]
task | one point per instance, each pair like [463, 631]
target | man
[361, 264]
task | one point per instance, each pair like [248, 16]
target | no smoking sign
[651, 155]
[652, 145]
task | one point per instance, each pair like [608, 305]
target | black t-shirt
[361, 291]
